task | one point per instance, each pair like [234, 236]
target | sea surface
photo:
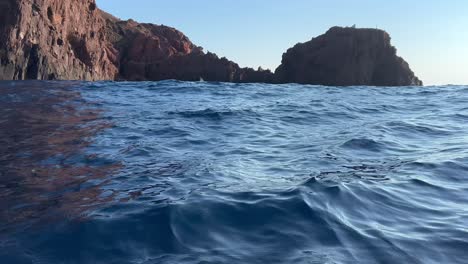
[199, 172]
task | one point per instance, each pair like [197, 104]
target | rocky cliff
[54, 39]
[74, 40]
[346, 56]
[155, 52]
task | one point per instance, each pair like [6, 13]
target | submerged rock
[346, 56]
[74, 40]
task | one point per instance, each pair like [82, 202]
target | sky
[431, 35]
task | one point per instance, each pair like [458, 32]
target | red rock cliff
[74, 40]
[154, 52]
[54, 39]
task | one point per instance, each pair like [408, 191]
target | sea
[206, 172]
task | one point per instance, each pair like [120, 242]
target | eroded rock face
[54, 39]
[74, 40]
[346, 56]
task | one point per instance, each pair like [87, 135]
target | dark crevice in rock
[51, 77]
[32, 71]
[36, 8]
[92, 6]
[80, 50]
[50, 14]
[20, 73]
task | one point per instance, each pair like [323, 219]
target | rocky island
[75, 40]
[346, 56]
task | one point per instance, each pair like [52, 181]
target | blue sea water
[185, 172]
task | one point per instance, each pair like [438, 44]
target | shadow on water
[45, 170]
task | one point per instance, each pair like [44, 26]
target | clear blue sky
[432, 35]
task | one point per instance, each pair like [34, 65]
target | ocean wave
[211, 113]
[363, 144]
[200, 172]
[414, 129]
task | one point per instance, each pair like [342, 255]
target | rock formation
[74, 40]
[154, 52]
[54, 39]
[346, 56]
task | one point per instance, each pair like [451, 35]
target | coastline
[77, 41]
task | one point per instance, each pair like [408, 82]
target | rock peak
[346, 56]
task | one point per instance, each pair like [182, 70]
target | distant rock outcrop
[74, 40]
[346, 56]
[154, 52]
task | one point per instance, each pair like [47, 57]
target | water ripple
[196, 172]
